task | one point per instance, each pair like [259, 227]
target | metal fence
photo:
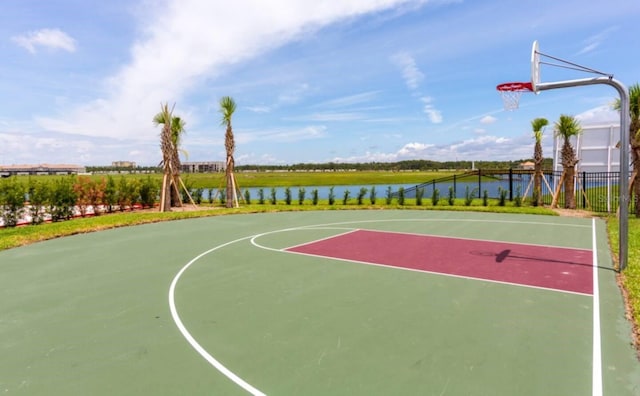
[595, 191]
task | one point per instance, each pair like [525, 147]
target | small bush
[518, 198]
[419, 195]
[287, 196]
[469, 195]
[372, 195]
[485, 198]
[222, 196]
[332, 196]
[12, 194]
[247, 197]
[261, 196]
[452, 196]
[212, 195]
[272, 196]
[63, 199]
[301, 196]
[401, 196]
[361, 194]
[345, 196]
[110, 194]
[435, 197]
[314, 196]
[39, 193]
[149, 190]
[502, 199]
[389, 197]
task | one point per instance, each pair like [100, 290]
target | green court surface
[216, 306]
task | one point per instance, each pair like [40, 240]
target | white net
[511, 99]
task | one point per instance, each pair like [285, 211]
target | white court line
[192, 341]
[597, 350]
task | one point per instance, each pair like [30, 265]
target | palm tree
[167, 147]
[566, 128]
[634, 141]
[538, 125]
[227, 108]
[171, 138]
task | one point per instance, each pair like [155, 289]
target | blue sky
[314, 80]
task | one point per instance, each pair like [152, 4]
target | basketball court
[331, 302]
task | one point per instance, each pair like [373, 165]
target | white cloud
[593, 42]
[47, 38]
[488, 120]
[599, 115]
[351, 100]
[200, 40]
[435, 116]
[410, 73]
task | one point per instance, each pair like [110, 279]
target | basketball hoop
[511, 93]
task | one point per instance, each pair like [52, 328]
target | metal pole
[623, 237]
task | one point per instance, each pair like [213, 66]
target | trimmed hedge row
[63, 198]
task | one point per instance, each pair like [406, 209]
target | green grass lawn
[289, 179]
[630, 278]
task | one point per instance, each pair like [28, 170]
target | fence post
[584, 189]
[510, 184]
[455, 193]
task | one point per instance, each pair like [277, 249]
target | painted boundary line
[597, 350]
[191, 340]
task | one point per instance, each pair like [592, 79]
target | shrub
[502, 196]
[38, 199]
[345, 196]
[314, 196]
[272, 198]
[435, 197]
[247, 197]
[301, 195]
[287, 196]
[110, 198]
[389, 197]
[149, 190]
[518, 198]
[222, 196]
[361, 194]
[332, 196]
[261, 196]
[469, 195]
[419, 195]
[127, 193]
[63, 199]
[401, 196]
[12, 194]
[372, 195]
[82, 188]
[212, 195]
[485, 198]
[452, 196]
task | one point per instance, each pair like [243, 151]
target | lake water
[492, 188]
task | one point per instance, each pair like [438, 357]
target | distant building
[123, 164]
[42, 169]
[528, 165]
[202, 167]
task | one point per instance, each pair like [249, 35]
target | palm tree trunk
[537, 185]
[569, 189]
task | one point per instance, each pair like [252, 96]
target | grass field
[290, 179]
